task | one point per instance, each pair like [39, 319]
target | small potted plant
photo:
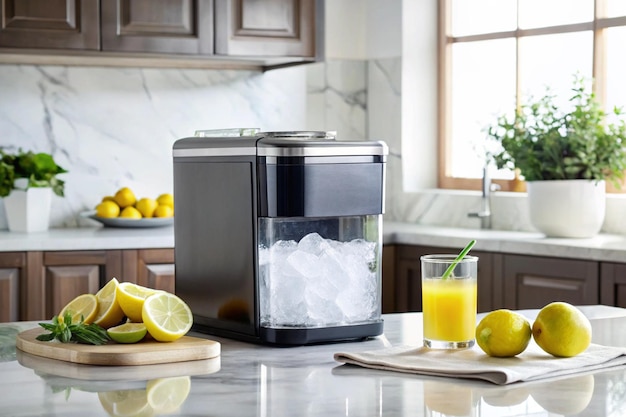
[565, 157]
[27, 181]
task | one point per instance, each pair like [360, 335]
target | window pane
[615, 8]
[616, 68]
[547, 61]
[483, 85]
[542, 13]
[483, 16]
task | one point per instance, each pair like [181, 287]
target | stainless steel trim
[302, 135]
[313, 160]
[186, 153]
[322, 151]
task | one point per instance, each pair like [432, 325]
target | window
[497, 53]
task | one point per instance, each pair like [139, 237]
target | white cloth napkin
[531, 365]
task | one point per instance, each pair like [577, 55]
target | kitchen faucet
[485, 207]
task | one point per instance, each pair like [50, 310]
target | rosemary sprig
[63, 330]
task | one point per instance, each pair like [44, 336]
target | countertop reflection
[259, 380]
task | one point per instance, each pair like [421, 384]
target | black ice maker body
[278, 236]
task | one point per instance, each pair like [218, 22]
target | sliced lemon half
[166, 316]
[109, 311]
[131, 297]
[85, 306]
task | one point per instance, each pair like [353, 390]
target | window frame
[444, 82]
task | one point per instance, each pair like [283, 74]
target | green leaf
[39, 168]
[548, 143]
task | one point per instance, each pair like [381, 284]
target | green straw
[464, 252]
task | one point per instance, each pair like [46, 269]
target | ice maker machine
[278, 235]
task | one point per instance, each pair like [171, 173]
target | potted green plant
[565, 157]
[27, 181]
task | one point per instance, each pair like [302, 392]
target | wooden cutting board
[147, 352]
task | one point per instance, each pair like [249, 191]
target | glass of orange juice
[449, 302]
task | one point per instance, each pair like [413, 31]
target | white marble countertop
[604, 247]
[256, 380]
[88, 238]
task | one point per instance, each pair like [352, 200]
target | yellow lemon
[128, 332]
[503, 333]
[146, 206]
[131, 298]
[125, 197]
[166, 316]
[166, 199]
[109, 311]
[166, 395]
[130, 213]
[108, 198]
[85, 306]
[107, 209]
[163, 211]
[562, 330]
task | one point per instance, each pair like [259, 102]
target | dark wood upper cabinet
[158, 26]
[244, 34]
[265, 27]
[50, 24]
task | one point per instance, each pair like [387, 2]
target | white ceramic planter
[567, 208]
[29, 210]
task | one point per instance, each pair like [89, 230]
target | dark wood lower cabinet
[36, 285]
[11, 273]
[533, 281]
[613, 288]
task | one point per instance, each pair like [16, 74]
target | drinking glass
[449, 302]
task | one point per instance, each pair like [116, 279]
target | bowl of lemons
[124, 209]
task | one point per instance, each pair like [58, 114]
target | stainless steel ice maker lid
[315, 144]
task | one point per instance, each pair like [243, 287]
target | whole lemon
[108, 198]
[503, 333]
[163, 211]
[125, 197]
[130, 212]
[107, 209]
[562, 330]
[166, 199]
[146, 206]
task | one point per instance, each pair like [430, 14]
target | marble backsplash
[114, 127]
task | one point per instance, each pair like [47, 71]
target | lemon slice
[85, 306]
[109, 311]
[126, 403]
[166, 316]
[131, 297]
[166, 395]
[128, 332]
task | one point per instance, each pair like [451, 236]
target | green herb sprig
[63, 330]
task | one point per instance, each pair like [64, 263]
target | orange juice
[449, 309]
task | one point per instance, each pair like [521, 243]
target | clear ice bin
[319, 272]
